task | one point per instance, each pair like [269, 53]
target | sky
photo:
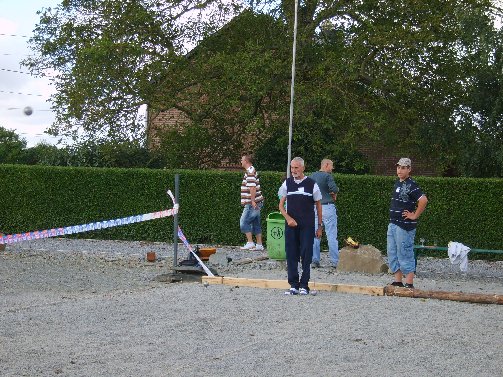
[19, 90]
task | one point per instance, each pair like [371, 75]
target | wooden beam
[478, 298]
[388, 290]
[348, 288]
[283, 284]
[212, 279]
[256, 283]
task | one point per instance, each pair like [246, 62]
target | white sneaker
[248, 246]
[259, 247]
[292, 292]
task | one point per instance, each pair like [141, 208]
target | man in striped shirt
[252, 202]
[407, 204]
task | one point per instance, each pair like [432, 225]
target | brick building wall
[162, 120]
[174, 118]
[382, 161]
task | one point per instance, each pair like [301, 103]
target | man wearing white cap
[407, 204]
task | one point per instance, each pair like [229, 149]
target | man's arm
[289, 219]
[253, 191]
[421, 205]
[332, 187]
[319, 229]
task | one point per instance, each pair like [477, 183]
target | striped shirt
[404, 197]
[250, 179]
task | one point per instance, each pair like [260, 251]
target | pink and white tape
[73, 229]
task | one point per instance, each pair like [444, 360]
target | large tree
[387, 73]
[105, 56]
[480, 120]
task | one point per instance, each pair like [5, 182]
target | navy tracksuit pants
[299, 248]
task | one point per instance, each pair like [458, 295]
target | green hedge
[37, 197]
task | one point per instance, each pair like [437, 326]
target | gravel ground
[95, 308]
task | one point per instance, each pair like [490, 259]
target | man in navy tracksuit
[300, 193]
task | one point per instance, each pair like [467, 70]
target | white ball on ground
[314, 293]
[28, 110]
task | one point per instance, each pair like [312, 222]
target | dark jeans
[299, 247]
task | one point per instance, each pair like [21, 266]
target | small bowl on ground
[205, 252]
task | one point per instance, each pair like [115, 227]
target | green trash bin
[276, 236]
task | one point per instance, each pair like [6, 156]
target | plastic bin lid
[275, 215]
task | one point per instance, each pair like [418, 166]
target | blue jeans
[250, 219]
[329, 220]
[401, 249]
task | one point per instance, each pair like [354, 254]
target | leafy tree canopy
[406, 75]
[106, 55]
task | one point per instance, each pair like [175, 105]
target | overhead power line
[13, 70]
[14, 35]
[24, 94]
[11, 54]
[26, 73]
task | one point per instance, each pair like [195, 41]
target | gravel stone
[73, 307]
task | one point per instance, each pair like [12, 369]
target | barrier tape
[186, 242]
[55, 232]
[191, 249]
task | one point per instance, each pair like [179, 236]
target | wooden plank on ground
[256, 283]
[212, 279]
[348, 288]
[480, 298]
[283, 284]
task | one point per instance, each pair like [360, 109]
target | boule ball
[28, 110]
